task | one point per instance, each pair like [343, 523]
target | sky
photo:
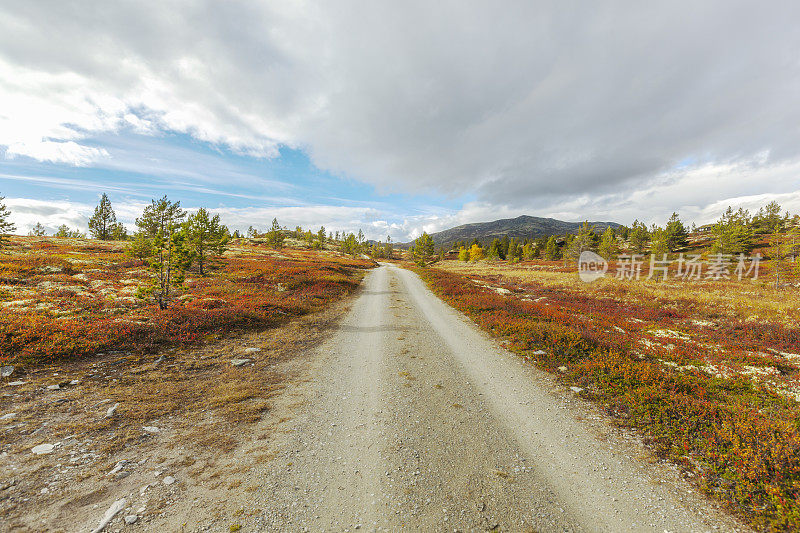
[398, 117]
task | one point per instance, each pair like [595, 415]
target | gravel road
[413, 419]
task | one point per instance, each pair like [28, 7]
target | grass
[70, 298]
[708, 372]
[202, 405]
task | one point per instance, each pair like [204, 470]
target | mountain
[522, 227]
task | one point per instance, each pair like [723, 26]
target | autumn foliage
[65, 298]
[709, 389]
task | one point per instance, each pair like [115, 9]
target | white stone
[7, 416]
[112, 410]
[6, 371]
[562, 369]
[42, 449]
[169, 480]
[131, 519]
[151, 429]
[16, 383]
[112, 511]
[53, 387]
[252, 350]
[576, 390]
[240, 362]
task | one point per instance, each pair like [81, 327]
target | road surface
[413, 419]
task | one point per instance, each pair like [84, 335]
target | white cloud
[582, 112]
[68, 152]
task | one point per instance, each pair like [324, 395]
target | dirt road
[413, 419]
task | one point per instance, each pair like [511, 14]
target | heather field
[70, 298]
[707, 371]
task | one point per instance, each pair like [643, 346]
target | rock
[240, 362]
[42, 449]
[74, 382]
[576, 390]
[54, 387]
[151, 429]
[539, 352]
[112, 410]
[112, 511]
[252, 350]
[169, 480]
[6, 371]
[16, 383]
[117, 467]
[8, 416]
[131, 519]
[562, 369]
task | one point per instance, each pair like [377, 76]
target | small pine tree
[733, 233]
[119, 232]
[551, 250]
[37, 230]
[676, 234]
[160, 223]
[6, 226]
[104, 220]
[64, 232]
[205, 238]
[638, 237]
[275, 235]
[584, 240]
[608, 248]
[423, 248]
[141, 246]
[659, 241]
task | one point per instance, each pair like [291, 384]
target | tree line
[735, 232]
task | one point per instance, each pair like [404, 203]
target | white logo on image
[591, 266]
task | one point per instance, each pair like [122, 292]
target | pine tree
[275, 235]
[160, 223]
[205, 238]
[659, 239]
[64, 232]
[551, 250]
[638, 237]
[140, 247]
[583, 241]
[6, 226]
[37, 230]
[423, 249]
[676, 234]
[733, 233]
[608, 248]
[103, 221]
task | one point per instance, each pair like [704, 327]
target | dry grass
[747, 299]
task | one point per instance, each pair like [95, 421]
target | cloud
[68, 152]
[612, 110]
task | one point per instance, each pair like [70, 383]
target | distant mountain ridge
[521, 227]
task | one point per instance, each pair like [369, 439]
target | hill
[521, 227]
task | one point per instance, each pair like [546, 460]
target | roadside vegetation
[708, 370]
[179, 278]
